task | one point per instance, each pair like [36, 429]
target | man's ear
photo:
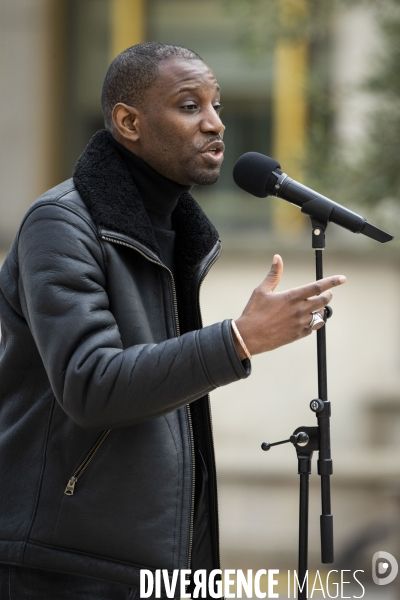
[126, 121]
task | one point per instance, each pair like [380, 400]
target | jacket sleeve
[97, 382]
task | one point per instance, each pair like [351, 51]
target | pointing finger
[317, 287]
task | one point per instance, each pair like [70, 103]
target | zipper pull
[69, 490]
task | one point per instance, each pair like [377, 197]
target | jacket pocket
[70, 489]
[132, 502]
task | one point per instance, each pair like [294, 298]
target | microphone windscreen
[253, 173]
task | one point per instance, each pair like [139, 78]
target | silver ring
[316, 318]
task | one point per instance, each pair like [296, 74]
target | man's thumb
[275, 274]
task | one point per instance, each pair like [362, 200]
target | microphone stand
[323, 410]
[306, 440]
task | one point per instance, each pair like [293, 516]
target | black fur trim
[105, 185]
[195, 238]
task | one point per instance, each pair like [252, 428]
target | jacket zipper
[201, 279]
[189, 416]
[156, 262]
[69, 490]
[191, 526]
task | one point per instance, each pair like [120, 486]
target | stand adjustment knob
[301, 439]
[317, 405]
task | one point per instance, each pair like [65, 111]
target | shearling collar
[105, 185]
[107, 188]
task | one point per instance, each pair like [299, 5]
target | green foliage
[263, 23]
[382, 156]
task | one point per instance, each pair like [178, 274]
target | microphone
[261, 176]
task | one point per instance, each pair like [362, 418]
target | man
[107, 461]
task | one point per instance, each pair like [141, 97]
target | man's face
[180, 131]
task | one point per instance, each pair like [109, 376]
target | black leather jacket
[96, 435]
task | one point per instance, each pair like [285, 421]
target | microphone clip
[318, 233]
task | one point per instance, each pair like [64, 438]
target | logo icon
[384, 568]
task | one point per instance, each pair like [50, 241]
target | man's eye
[218, 108]
[189, 107]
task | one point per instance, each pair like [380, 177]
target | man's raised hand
[272, 319]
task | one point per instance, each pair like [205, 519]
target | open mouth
[214, 152]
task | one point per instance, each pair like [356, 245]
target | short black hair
[134, 71]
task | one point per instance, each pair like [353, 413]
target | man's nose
[211, 123]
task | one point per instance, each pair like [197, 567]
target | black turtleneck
[160, 196]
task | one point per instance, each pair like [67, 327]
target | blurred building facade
[54, 55]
